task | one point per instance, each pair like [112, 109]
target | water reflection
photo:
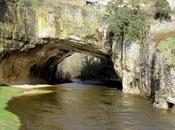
[88, 107]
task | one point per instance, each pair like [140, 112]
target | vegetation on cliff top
[162, 10]
[129, 22]
[168, 46]
[169, 43]
[126, 22]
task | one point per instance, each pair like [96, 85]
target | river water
[76, 106]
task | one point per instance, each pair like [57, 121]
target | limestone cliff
[145, 69]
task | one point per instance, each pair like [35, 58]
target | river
[77, 106]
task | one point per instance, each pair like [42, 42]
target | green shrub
[162, 10]
[29, 3]
[127, 23]
[136, 2]
[168, 47]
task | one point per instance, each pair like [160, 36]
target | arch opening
[77, 66]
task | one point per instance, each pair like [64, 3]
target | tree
[162, 10]
[126, 22]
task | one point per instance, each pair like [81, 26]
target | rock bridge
[39, 63]
[79, 46]
[35, 40]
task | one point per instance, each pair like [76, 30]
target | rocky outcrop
[165, 94]
[125, 63]
[145, 70]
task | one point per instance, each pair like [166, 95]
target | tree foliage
[162, 10]
[127, 22]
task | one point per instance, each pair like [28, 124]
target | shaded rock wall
[36, 66]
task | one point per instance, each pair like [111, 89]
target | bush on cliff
[162, 10]
[127, 22]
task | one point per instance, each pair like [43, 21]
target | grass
[8, 120]
[164, 45]
[168, 47]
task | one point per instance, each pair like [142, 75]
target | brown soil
[162, 36]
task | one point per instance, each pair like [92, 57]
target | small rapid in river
[77, 106]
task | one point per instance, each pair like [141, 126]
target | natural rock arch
[39, 65]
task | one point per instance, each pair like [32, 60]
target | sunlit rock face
[126, 65]
[100, 2]
[144, 69]
[68, 21]
[172, 4]
[27, 21]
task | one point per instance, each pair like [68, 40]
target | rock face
[37, 66]
[145, 70]
[172, 4]
[73, 2]
[24, 22]
[165, 94]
